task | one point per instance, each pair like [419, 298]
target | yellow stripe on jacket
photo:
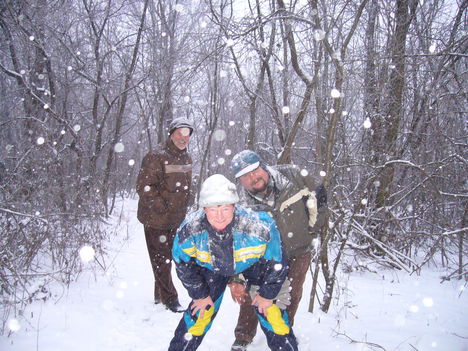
[249, 252]
[202, 256]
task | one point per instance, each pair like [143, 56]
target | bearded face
[255, 181]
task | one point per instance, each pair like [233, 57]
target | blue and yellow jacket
[250, 245]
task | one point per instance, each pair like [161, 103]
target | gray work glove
[282, 300]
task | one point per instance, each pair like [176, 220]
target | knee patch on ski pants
[202, 324]
[276, 321]
[199, 326]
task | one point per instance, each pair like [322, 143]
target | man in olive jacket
[163, 185]
[297, 202]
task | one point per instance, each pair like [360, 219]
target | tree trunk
[121, 111]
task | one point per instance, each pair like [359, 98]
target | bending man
[298, 205]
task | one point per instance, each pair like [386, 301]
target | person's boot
[175, 307]
[239, 345]
[157, 298]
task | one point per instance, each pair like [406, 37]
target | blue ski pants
[192, 329]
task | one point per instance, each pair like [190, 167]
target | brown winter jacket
[164, 184]
[299, 208]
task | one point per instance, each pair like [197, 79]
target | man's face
[219, 216]
[181, 137]
[255, 181]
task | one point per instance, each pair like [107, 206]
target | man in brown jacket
[163, 185]
[298, 204]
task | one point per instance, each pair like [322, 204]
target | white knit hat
[217, 190]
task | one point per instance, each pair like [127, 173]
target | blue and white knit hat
[245, 162]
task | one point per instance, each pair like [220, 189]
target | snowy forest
[368, 95]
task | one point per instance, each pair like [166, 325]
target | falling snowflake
[162, 239]
[304, 173]
[87, 253]
[229, 42]
[219, 135]
[319, 34]
[428, 302]
[278, 267]
[227, 152]
[14, 325]
[77, 128]
[221, 161]
[185, 131]
[40, 141]
[323, 173]
[335, 93]
[119, 147]
[285, 110]
[131, 163]
[367, 123]
[146, 188]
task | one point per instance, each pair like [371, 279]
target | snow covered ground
[113, 310]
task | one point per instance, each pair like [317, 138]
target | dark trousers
[159, 243]
[192, 329]
[247, 322]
